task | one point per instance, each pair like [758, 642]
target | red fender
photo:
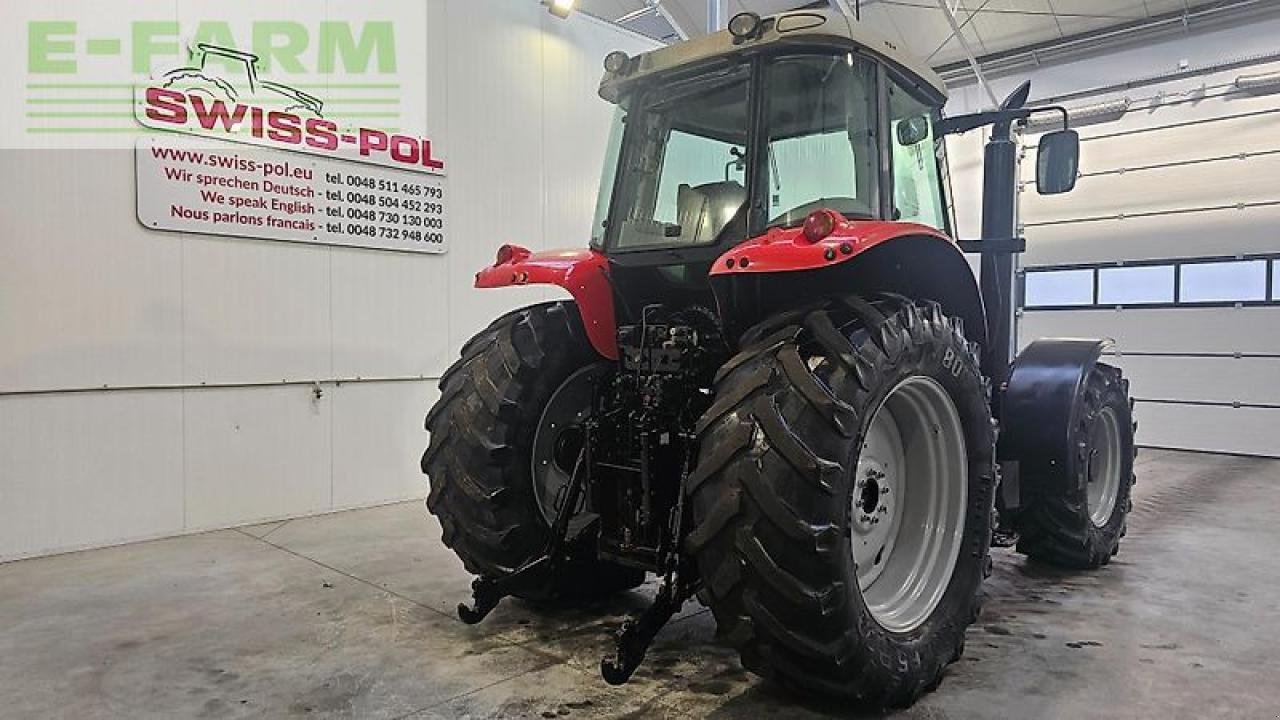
[787, 249]
[584, 273]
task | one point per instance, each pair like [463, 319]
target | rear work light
[615, 62]
[511, 253]
[820, 224]
[745, 26]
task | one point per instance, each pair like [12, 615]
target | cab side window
[917, 153]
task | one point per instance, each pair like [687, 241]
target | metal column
[717, 15]
[999, 221]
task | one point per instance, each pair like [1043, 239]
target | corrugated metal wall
[1190, 172]
[223, 338]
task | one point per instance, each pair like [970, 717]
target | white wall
[1198, 49]
[91, 301]
[1202, 376]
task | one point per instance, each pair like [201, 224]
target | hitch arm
[534, 572]
[636, 635]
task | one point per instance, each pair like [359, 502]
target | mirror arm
[964, 123]
[1066, 117]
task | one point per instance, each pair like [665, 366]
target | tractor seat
[704, 211]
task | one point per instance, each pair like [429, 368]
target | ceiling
[921, 26]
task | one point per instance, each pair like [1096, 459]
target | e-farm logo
[75, 74]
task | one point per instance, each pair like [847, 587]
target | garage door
[1170, 245]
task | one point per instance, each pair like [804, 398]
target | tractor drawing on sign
[778, 385]
[241, 85]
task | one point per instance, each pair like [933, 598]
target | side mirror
[912, 130]
[1057, 162]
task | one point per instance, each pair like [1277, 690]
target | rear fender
[1038, 407]
[783, 269]
[584, 273]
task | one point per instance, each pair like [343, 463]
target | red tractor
[778, 385]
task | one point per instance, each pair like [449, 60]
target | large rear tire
[1075, 517]
[480, 461]
[826, 416]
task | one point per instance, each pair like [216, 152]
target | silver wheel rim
[1104, 468]
[554, 451]
[908, 503]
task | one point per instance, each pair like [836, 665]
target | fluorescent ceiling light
[1084, 115]
[560, 8]
[1261, 81]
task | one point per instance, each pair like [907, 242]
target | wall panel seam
[217, 386]
[1153, 213]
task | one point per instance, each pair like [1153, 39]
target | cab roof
[800, 27]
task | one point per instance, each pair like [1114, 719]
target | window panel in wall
[1135, 285]
[1047, 288]
[1238, 281]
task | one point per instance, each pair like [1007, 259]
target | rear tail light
[820, 224]
[511, 253]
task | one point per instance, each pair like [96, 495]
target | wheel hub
[907, 503]
[568, 446]
[869, 496]
[558, 440]
[875, 504]
[1104, 469]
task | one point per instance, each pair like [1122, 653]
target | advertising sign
[261, 160]
[223, 188]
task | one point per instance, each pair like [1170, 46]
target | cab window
[917, 153]
[821, 115]
[683, 179]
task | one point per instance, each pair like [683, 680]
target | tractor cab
[793, 156]
[744, 133]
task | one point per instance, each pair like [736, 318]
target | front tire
[480, 459]
[795, 452]
[1074, 517]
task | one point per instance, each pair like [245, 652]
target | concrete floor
[351, 614]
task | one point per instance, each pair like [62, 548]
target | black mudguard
[1037, 409]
